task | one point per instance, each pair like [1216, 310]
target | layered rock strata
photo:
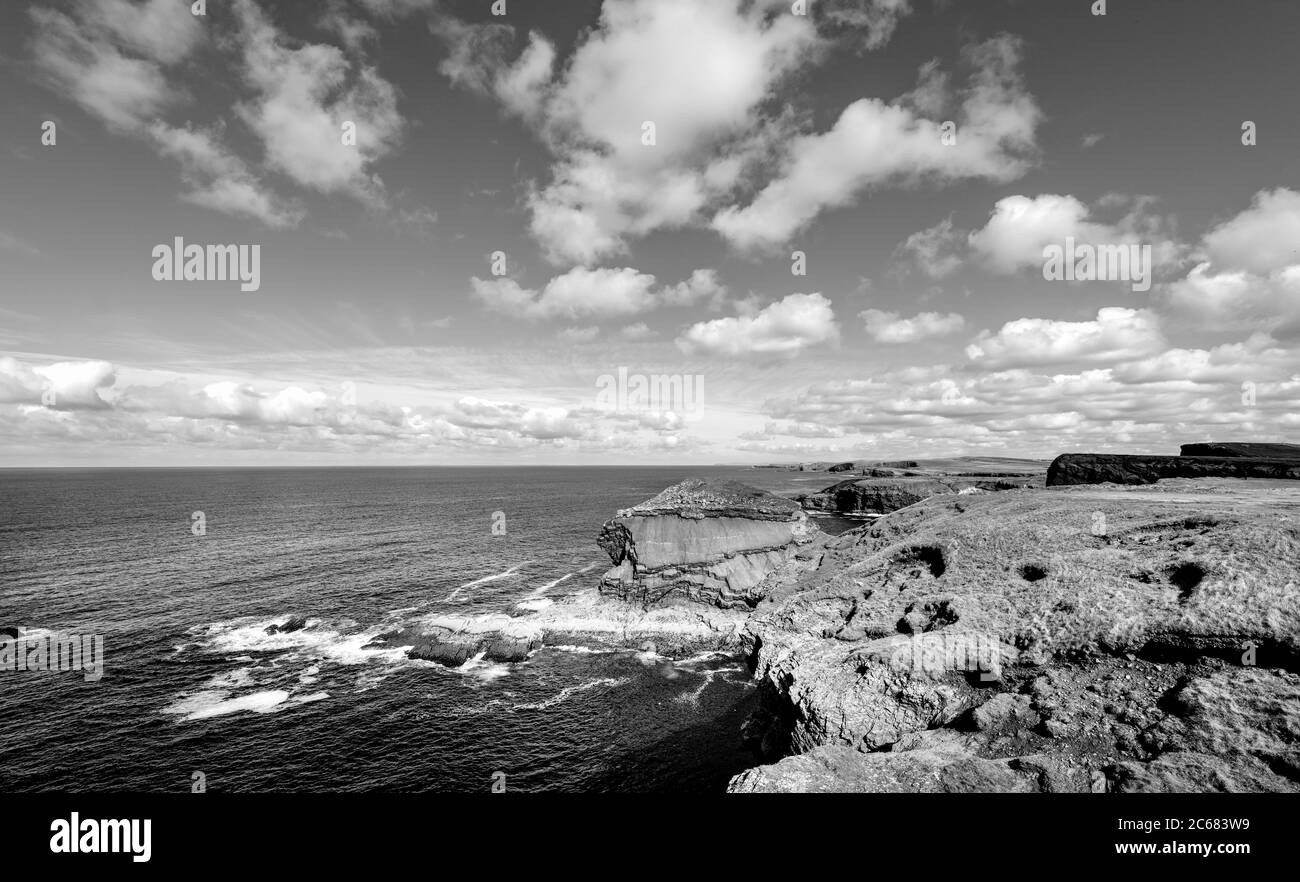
[703, 542]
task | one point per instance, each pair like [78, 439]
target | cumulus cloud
[63, 385]
[1020, 227]
[1117, 334]
[699, 72]
[595, 293]
[306, 94]
[889, 327]
[1262, 239]
[936, 251]
[782, 329]
[1249, 276]
[874, 143]
[1151, 403]
[117, 60]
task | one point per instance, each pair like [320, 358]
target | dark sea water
[192, 682]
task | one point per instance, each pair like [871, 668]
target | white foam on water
[243, 636]
[589, 567]
[236, 679]
[505, 574]
[693, 698]
[567, 691]
[215, 703]
[480, 669]
[308, 699]
[580, 650]
[549, 585]
[702, 657]
[534, 604]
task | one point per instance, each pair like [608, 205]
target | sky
[644, 231]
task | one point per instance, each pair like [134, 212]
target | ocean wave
[244, 636]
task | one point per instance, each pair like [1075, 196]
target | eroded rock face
[1247, 449]
[883, 493]
[704, 542]
[1098, 468]
[1018, 642]
[454, 640]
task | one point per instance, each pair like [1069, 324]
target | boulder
[454, 640]
[1100, 468]
[294, 623]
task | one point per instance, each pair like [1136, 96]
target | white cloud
[164, 30]
[82, 61]
[305, 96]
[889, 327]
[877, 18]
[699, 72]
[702, 287]
[874, 143]
[1252, 276]
[579, 335]
[781, 329]
[935, 251]
[1261, 240]
[1117, 334]
[1020, 227]
[218, 179]
[638, 331]
[61, 385]
[595, 293]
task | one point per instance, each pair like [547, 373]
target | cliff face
[1081, 639]
[1234, 448]
[710, 543]
[1100, 468]
[689, 564]
[880, 494]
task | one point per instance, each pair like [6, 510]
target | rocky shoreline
[987, 632]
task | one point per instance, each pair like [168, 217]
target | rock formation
[689, 564]
[1101, 468]
[294, 623]
[1083, 638]
[703, 542]
[1233, 448]
[881, 494]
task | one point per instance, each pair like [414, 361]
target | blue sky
[922, 325]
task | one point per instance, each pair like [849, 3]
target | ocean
[194, 689]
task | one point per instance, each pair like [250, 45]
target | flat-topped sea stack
[710, 542]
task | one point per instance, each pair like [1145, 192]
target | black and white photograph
[675, 399]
